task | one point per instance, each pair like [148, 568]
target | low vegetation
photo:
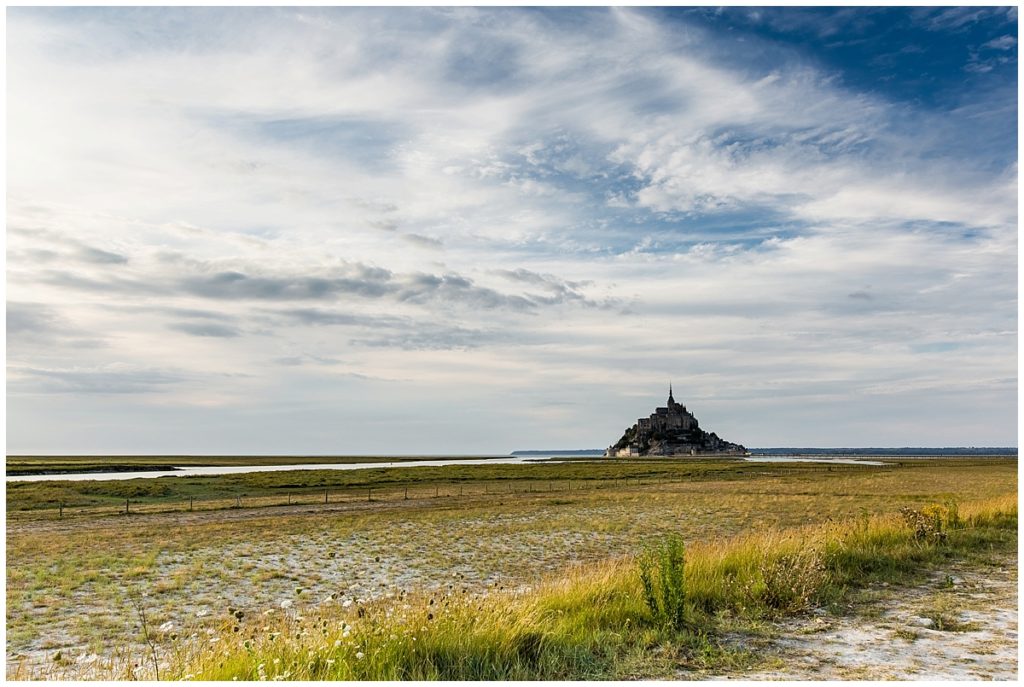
[282, 488]
[274, 488]
[532, 581]
[609, 622]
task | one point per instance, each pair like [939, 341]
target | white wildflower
[360, 655]
[286, 603]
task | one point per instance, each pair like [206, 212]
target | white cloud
[553, 212]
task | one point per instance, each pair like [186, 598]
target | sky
[465, 230]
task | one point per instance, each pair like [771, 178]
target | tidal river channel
[238, 469]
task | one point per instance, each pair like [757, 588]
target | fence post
[189, 504]
[238, 501]
[127, 510]
[435, 491]
[460, 491]
[406, 497]
[289, 499]
[325, 496]
[61, 515]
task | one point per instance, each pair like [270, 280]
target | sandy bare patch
[960, 625]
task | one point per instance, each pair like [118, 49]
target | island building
[671, 431]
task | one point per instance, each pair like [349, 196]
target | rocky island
[671, 431]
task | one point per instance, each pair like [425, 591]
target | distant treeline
[903, 451]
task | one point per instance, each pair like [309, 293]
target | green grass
[507, 478]
[275, 488]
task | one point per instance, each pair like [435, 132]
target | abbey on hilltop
[671, 431]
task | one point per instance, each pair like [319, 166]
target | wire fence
[352, 495]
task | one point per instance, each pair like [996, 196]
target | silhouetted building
[671, 431]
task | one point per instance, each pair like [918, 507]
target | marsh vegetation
[474, 572]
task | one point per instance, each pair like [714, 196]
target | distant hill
[567, 452]
[902, 451]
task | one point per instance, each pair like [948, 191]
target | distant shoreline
[567, 452]
[905, 451]
[25, 465]
[70, 465]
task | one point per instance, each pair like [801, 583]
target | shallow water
[805, 459]
[241, 469]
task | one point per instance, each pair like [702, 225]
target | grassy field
[515, 559]
[36, 465]
[308, 486]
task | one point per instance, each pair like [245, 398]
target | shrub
[663, 581]
[792, 581]
[933, 522]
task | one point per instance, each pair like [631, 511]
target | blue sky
[350, 230]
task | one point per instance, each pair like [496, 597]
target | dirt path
[181, 519]
[960, 625]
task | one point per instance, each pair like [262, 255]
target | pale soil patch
[193, 587]
[895, 635]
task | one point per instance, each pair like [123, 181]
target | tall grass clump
[663, 579]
